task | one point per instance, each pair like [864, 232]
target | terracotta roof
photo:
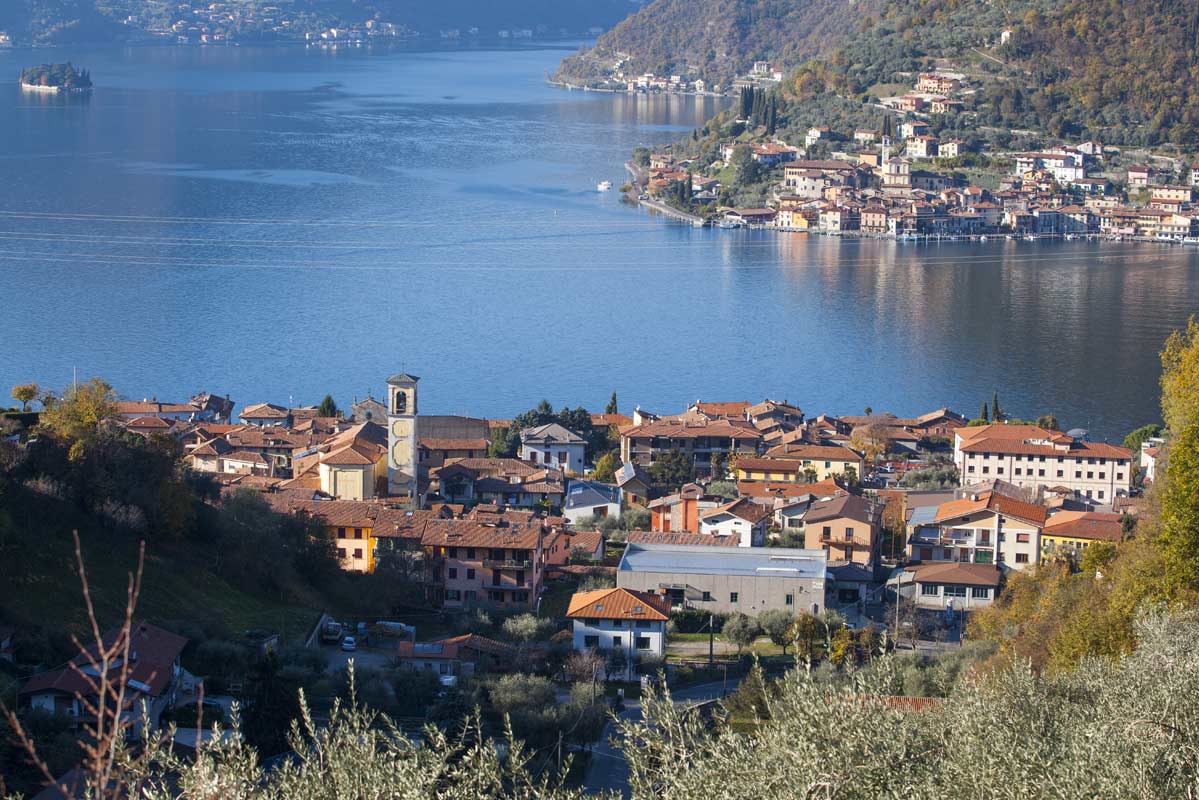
[742, 508]
[694, 428]
[608, 420]
[618, 604]
[146, 407]
[998, 503]
[148, 422]
[734, 408]
[468, 533]
[815, 452]
[846, 506]
[1013, 432]
[681, 537]
[587, 540]
[956, 573]
[454, 648]
[351, 456]
[246, 455]
[151, 672]
[785, 489]
[453, 444]
[1085, 525]
[1007, 446]
[264, 411]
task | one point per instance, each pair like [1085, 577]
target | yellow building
[798, 462]
[1068, 534]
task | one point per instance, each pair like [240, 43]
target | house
[502, 481]
[699, 439]
[818, 462]
[456, 656]
[1032, 457]
[816, 134]
[619, 620]
[741, 519]
[987, 528]
[153, 677]
[750, 216]
[912, 128]
[1150, 453]
[202, 408]
[1141, 175]
[553, 446]
[591, 499]
[865, 136]
[634, 483]
[266, 415]
[1068, 534]
[846, 527]
[681, 511]
[922, 147]
[951, 148]
[726, 579]
[932, 83]
[911, 102]
[492, 560]
[953, 586]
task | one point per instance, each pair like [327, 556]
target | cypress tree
[983, 413]
[995, 411]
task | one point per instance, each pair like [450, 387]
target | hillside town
[816, 512]
[901, 181]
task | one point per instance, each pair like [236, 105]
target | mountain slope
[719, 39]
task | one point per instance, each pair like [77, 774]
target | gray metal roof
[924, 515]
[584, 494]
[779, 562]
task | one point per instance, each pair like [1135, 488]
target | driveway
[608, 770]
[363, 658]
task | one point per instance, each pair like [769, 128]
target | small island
[55, 78]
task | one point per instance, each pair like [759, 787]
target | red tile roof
[618, 604]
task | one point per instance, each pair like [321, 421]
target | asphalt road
[608, 770]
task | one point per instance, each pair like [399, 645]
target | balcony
[489, 563]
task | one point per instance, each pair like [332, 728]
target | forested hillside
[719, 39]
[1123, 72]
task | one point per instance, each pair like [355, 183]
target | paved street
[608, 770]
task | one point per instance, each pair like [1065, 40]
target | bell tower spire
[402, 441]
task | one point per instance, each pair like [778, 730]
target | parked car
[349, 644]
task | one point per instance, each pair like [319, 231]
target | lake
[280, 223]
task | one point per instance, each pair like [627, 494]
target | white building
[742, 519]
[951, 587]
[620, 621]
[591, 499]
[1032, 457]
[553, 446]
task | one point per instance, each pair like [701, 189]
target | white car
[349, 644]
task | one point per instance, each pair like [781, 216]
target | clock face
[401, 428]
[400, 453]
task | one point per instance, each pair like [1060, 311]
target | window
[617, 641]
[1040, 473]
[1018, 470]
[707, 596]
[618, 623]
[470, 574]
[1061, 474]
[999, 470]
[520, 597]
[643, 623]
[642, 642]
[357, 552]
[1022, 538]
[827, 531]
[986, 470]
[358, 533]
[1102, 475]
[1021, 558]
[955, 591]
[496, 597]
[1100, 494]
[980, 593]
[1119, 476]
[452, 573]
[453, 594]
[591, 641]
[1077, 473]
[470, 552]
[341, 552]
[732, 597]
[452, 552]
[789, 600]
[930, 589]
[970, 468]
[1090, 475]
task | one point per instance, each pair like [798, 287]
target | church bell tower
[402, 450]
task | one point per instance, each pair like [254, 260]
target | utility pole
[711, 637]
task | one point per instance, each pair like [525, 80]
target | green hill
[1121, 71]
[717, 39]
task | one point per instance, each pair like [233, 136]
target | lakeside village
[902, 181]
[622, 529]
[236, 22]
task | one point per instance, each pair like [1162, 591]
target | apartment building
[699, 439]
[1032, 457]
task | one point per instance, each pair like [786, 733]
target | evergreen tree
[327, 408]
[996, 412]
[983, 415]
[272, 702]
[611, 407]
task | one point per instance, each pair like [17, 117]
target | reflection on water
[278, 224]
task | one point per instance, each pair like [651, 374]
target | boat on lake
[603, 186]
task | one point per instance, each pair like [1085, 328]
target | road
[608, 770]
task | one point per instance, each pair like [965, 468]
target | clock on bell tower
[402, 451]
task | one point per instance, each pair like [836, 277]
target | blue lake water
[281, 223]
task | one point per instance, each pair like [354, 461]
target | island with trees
[56, 78]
